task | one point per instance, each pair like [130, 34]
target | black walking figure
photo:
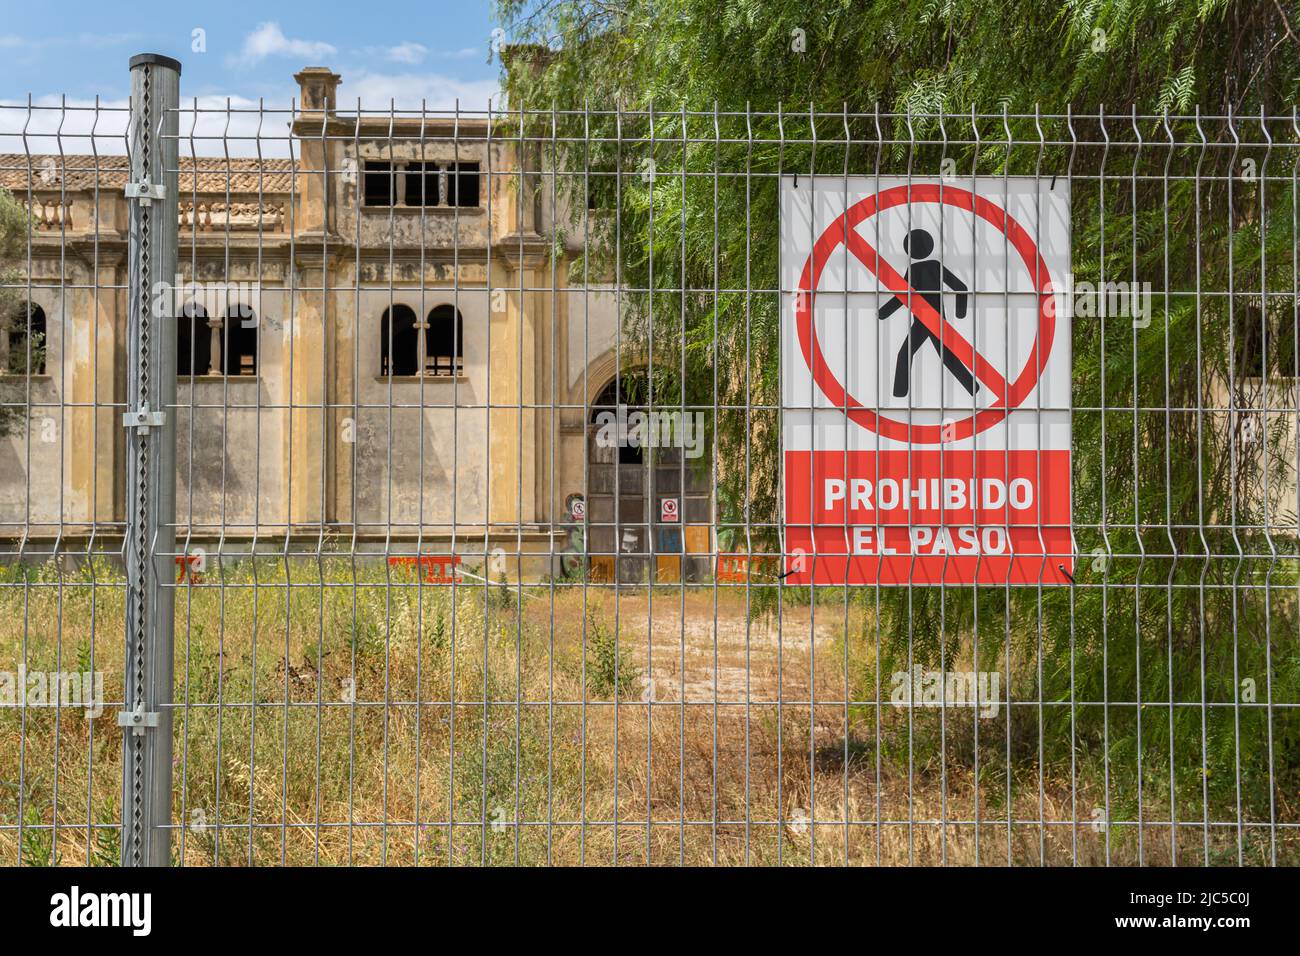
[927, 277]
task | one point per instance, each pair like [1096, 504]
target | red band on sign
[927, 516]
[844, 230]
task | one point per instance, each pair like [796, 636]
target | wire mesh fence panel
[61, 513]
[605, 486]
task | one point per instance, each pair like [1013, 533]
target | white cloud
[269, 40]
[412, 53]
[406, 91]
[407, 52]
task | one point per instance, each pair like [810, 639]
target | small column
[421, 350]
[215, 324]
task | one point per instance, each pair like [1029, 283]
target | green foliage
[13, 230]
[502, 596]
[37, 847]
[610, 672]
[1180, 593]
[13, 238]
[107, 849]
[923, 55]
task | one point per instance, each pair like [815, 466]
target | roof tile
[215, 174]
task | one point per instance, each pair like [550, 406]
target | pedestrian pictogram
[927, 277]
[926, 380]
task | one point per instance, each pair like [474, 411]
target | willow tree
[1186, 578]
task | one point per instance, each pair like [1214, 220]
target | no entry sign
[926, 380]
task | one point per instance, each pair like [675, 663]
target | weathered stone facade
[314, 440]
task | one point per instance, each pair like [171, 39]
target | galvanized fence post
[150, 539]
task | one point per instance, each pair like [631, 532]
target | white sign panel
[926, 380]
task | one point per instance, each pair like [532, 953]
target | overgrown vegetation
[326, 695]
[21, 347]
[609, 669]
[1187, 572]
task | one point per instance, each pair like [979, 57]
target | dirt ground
[368, 724]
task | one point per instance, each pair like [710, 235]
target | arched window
[622, 397]
[26, 341]
[444, 341]
[239, 342]
[399, 342]
[193, 341]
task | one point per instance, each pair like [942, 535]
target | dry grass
[500, 742]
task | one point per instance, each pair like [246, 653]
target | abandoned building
[374, 344]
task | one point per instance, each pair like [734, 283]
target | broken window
[239, 341]
[462, 184]
[422, 184]
[1285, 358]
[399, 342]
[380, 182]
[193, 341]
[444, 341]
[1264, 346]
[416, 184]
[26, 341]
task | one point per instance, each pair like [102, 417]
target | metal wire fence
[454, 517]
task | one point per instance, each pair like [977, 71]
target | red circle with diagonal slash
[1015, 392]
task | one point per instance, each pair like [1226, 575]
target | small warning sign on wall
[926, 381]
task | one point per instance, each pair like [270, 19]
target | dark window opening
[27, 341]
[1283, 361]
[1264, 346]
[1248, 344]
[444, 341]
[622, 392]
[462, 184]
[239, 342]
[422, 184]
[193, 341]
[399, 342]
[600, 192]
[380, 184]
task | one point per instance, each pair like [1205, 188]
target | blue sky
[408, 50]
[70, 51]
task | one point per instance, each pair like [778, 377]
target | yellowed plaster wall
[91, 389]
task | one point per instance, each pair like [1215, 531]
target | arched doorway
[618, 539]
[648, 488]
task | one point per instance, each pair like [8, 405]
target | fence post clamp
[137, 719]
[143, 419]
[146, 191]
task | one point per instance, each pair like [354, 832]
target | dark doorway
[631, 473]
